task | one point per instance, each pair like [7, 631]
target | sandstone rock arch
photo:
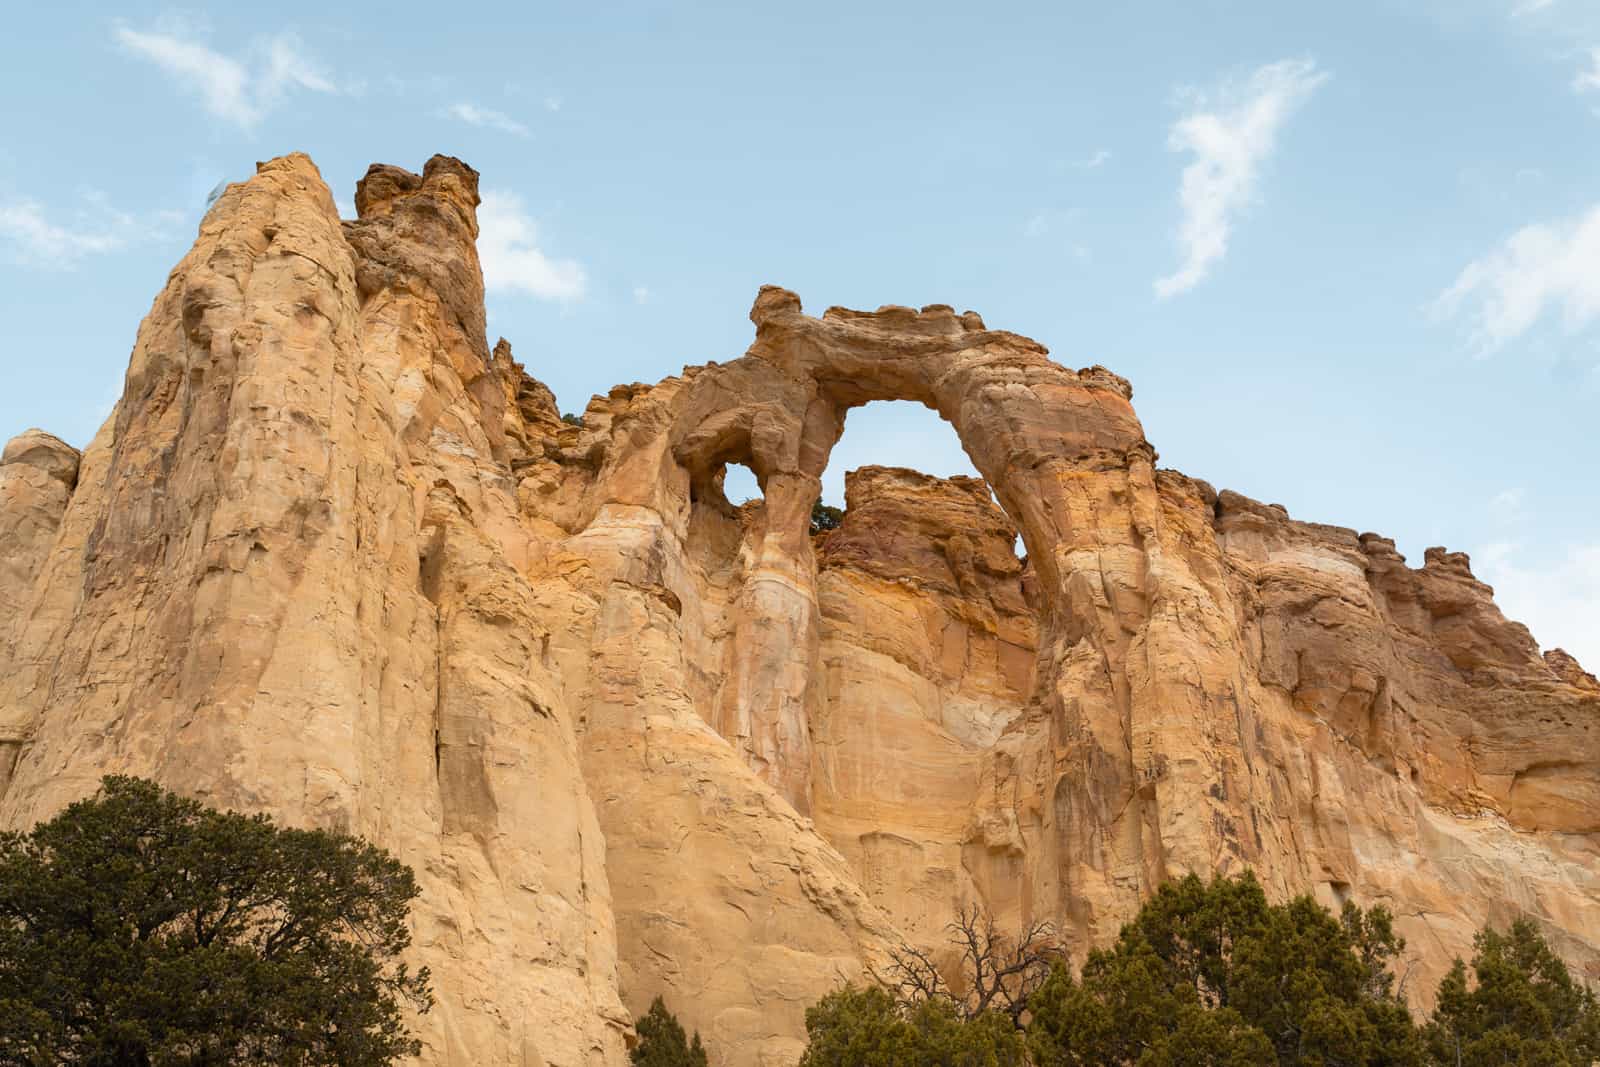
[781, 408]
[337, 558]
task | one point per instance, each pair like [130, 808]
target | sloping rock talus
[337, 558]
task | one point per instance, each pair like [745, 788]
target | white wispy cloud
[1099, 159]
[238, 91]
[1044, 223]
[1554, 597]
[1050, 220]
[546, 98]
[641, 294]
[31, 236]
[1542, 267]
[1531, 7]
[474, 115]
[287, 66]
[1507, 505]
[512, 260]
[1588, 81]
[34, 238]
[1230, 132]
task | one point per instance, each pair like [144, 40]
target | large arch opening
[899, 433]
[927, 645]
[868, 673]
[870, 699]
[894, 433]
[739, 484]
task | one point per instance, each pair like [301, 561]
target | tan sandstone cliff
[335, 558]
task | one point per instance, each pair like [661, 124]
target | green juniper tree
[662, 1041]
[1211, 973]
[1522, 1008]
[825, 517]
[139, 928]
[868, 1027]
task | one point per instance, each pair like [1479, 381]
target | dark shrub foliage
[825, 517]
[1522, 1008]
[868, 1028]
[662, 1042]
[1213, 974]
[139, 927]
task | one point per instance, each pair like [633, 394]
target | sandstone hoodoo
[336, 558]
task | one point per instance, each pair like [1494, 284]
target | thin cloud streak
[473, 115]
[35, 239]
[1231, 133]
[1507, 506]
[227, 87]
[31, 237]
[1588, 81]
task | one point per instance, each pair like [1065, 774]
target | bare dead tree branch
[996, 972]
[913, 976]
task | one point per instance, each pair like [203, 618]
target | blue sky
[1348, 254]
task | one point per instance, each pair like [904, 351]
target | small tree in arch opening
[825, 517]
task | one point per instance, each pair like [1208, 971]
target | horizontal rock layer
[336, 558]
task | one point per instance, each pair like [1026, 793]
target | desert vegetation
[139, 928]
[1210, 974]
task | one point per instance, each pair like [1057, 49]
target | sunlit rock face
[336, 558]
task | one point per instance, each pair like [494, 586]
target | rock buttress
[267, 592]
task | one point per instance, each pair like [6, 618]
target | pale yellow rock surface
[336, 558]
[928, 645]
[256, 596]
[37, 475]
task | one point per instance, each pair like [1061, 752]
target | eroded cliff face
[929, 635]
[336, 558]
